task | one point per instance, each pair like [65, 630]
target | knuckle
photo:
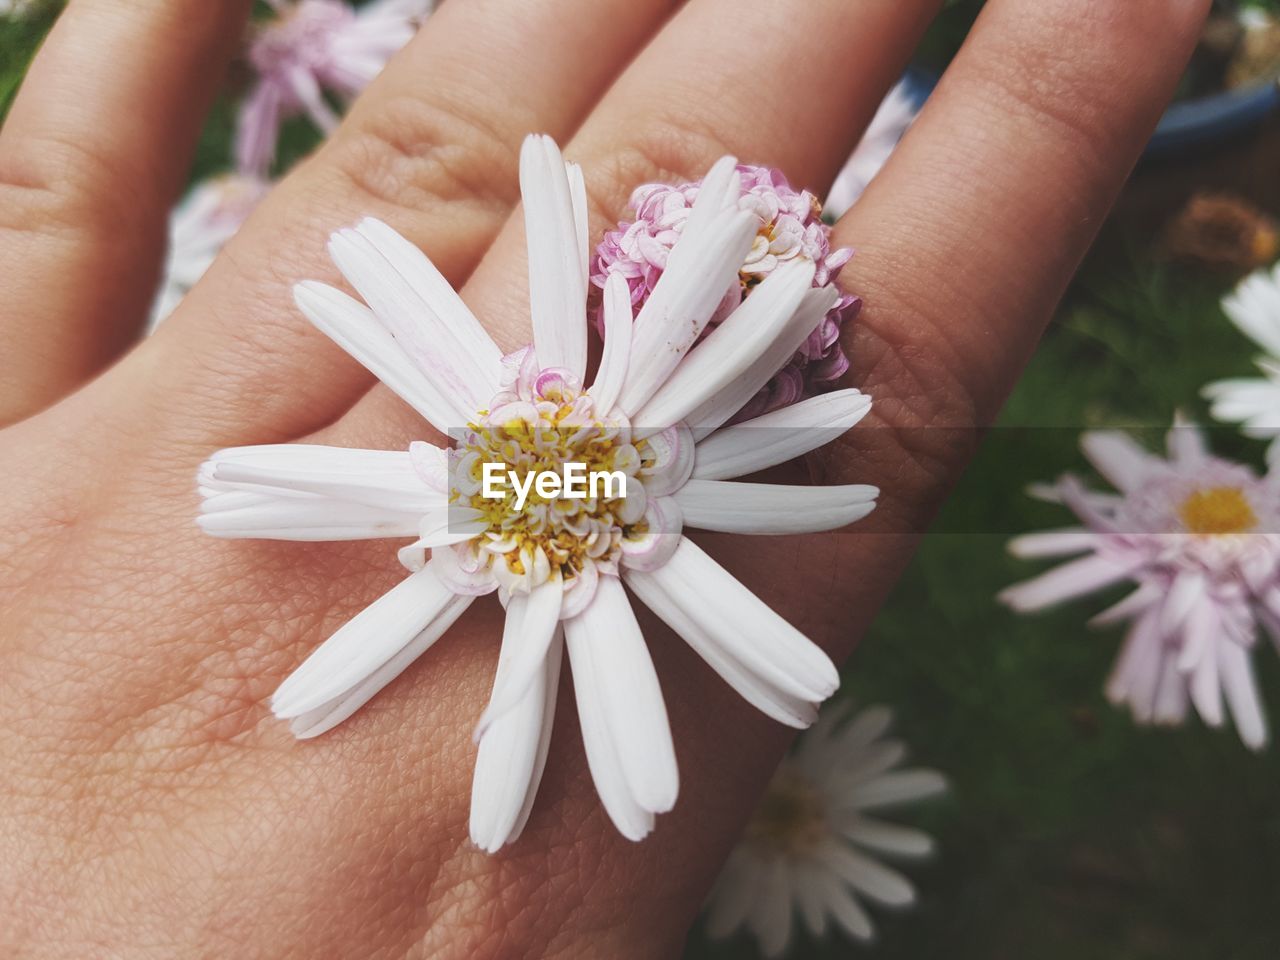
[417, 152]
[670, 147]
[62, 186]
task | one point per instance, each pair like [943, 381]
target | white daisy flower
[199, 227]
[312, 50]
[1197, 535]
[896, 113]
[559, 565]
[1254, 402]
[810, 846]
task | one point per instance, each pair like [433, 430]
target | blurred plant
[1222, 232]
[1198, 536]
[809, 846]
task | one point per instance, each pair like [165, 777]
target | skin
[149, 803]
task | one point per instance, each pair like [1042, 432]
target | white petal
[622, 671]
[741, 622]
[362, 646]
[239, 515]
[419, 607]
[1241, 688]
[446, 360]
[719, 408]
[733, 895]
[731, 348]
[700, 269]
[552, 684]
[901, 786]
[1254, 307]
[1066, 582]
[557, 274]
[877, 881]
[1117, 456]
[750, 685]
[771, 919]
[354, 328]
[889, 838]
[445, 310]
[1053, 543]
[384, 479]
[849, 914]
[507, 763]
[779, 436]
[771, 508]
[632, 820]
[531, 625]
[617, 343]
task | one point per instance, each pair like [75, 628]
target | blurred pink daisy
[199, 227]
[789, 229]
[310, 51]
[1197, 534]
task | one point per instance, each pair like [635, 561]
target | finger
[91, 157]
[431, 148]
[969, 236]
[697, 93]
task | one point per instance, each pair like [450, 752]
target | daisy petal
[419, 607]
[731, 348]
[1118, 457]
[1053, 543]
[719, 408]
[354, 328]
[751, 686]
[902, 786]
[239, 515]
[531, 624]
[444, 359]
[633, 821]
[1241, 689]
[890, 838]
[741, 622]
[780, 436]
[699, 271]
[627, 686]
[507, 769]
[1070, 580]
[444, 310]
[868, 876]
[557, 273]
[770, 508]
[617, 343]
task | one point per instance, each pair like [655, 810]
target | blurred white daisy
[896, 113]
[310, 51]
[811, 846]
[1197, 535]
[1254, 402]
[199, 228]
[559, 565]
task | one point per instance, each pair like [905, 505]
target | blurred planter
[1186, 125]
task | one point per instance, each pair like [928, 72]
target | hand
[149, 803]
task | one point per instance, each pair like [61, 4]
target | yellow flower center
[1217, 510]
[566, 530]
[791, 819]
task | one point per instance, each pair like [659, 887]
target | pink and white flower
[199, 227]
[655, 410]
[1254, 402]
[1198, 537]
[310, 51]
[811, 846]
[789, 229]
[897, 112]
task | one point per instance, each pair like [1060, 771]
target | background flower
[811, 847]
